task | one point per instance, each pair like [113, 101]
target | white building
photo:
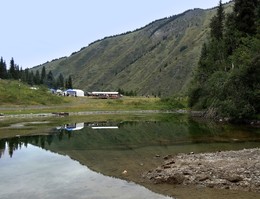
[105, 95]
[74, 92]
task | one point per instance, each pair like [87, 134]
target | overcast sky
[36, 31]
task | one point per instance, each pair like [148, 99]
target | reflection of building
[104, 127]
[74, 127]
[93, 125]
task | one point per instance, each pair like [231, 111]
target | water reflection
[134, 134]
[93, 125]
[36, 173]
[135, 145]
[71, 127]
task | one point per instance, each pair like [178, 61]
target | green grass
[17, 93]
[18, 98]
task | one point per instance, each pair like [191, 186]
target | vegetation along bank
[227, 80]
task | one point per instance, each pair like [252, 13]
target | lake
[105, 157]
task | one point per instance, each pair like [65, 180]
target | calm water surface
[106, 159]
[36, 173]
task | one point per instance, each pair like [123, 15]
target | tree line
[226, 82]
[38, 78]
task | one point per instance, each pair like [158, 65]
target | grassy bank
[16, 93]
[81, 104]
[18, 98]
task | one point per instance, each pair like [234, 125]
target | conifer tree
[50, 80]
[246, 15]
[258, 18]
[37, 78]
[12, 69]
[217, 23]
[69, 83]
[3, 70]
[202, 73]
[43, 75]
[60, 81]
[30, 79]
[232, 35]
[25, 75]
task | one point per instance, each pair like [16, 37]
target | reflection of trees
[2, 147]
[42, 141]
[13, 145]
[49, 139]
[61, 135]
[16, 143]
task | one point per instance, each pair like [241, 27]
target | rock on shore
[236, 170]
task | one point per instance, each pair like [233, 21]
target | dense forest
[226, 82]
[27, 76]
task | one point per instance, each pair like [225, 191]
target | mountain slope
[157, 59]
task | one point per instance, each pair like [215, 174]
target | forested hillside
[227, 80]
[157, 59]
[15, 72]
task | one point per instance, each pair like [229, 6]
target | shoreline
[55, 114]
[233, 170]
[197, 115]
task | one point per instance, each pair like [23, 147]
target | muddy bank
[235, 170]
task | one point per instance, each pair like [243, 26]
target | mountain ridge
[157, 59]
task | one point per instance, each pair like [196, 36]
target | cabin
[105, 95]
[74, 92]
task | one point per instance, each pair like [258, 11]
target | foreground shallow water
[36, 173]
[75, 159]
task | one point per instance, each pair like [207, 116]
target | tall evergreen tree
[3, 70]
[43, 75]
[25, 75]
[246, 15]
[203, 72]
[12, 69]
[217, 55]
[258, 18]
[30, 79]
[50, 80]
[37, 78]
[60, 81]
[217, 23]
[69, 83]
[232, 35]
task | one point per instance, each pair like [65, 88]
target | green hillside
[157, 59]
[14, 92]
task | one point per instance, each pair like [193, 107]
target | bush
[173, 103]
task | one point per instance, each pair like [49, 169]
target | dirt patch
[235, 170]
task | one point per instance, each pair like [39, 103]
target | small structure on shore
[74, 92]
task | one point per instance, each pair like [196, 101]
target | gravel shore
[235, 170]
